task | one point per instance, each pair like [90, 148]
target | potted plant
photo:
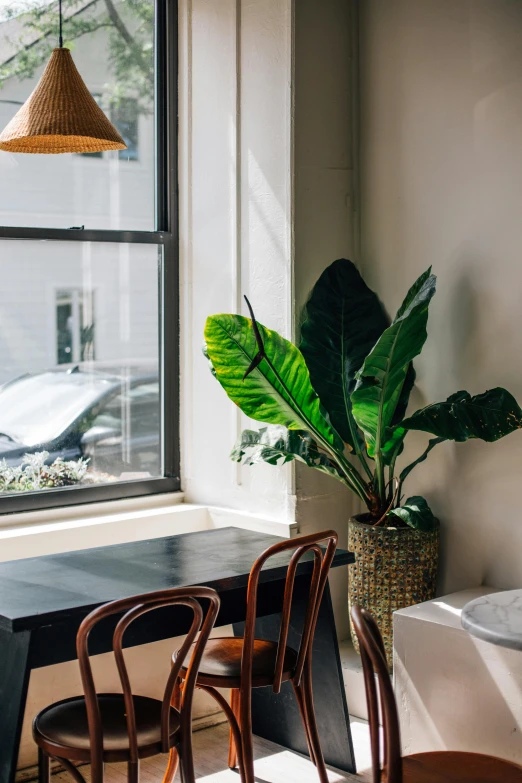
[338, 404]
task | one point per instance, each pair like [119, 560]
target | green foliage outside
[34, 473]
[129, 24]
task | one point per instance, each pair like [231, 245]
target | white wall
[441, 184]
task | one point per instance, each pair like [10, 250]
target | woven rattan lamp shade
[60, 115]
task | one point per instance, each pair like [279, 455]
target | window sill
[79, 527]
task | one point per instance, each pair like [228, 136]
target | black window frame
[166, 236]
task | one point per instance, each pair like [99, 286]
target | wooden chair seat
[221, 663]
[63, 730]
[458, 767]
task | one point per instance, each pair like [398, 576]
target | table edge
[342, 557]
[489, 636]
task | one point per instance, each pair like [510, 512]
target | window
[60, 191]
[125, 115]
[74, 326]
[98, 98]
[124, 435]
[88, 351]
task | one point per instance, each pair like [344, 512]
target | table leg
[14, 681]
[277, 718]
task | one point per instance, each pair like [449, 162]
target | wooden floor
[273, 764]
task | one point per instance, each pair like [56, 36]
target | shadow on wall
[485, 323]
[473, 486]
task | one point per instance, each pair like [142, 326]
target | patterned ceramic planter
[394, 568]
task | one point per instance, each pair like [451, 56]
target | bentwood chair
[243, 663]
[435, 767]
[109, 727]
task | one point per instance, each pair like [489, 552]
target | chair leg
[247, 743]
[186, 769]
[44, 767]
[172, 765]
[313, 732]
[186, 759]
[233, 722]
[232, 750]
[299, 697]
[133, 771]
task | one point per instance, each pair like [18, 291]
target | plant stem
[359, 451]
[353, 477]
[379, 473]
[399, 490]
[349, 470]
[391, 475]
[349, 415]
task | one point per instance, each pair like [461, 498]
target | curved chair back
[322, 560]
[132, 608]
[380, 699]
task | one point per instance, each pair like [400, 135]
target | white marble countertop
[496, 618]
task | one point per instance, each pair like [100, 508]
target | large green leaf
[394, 435]
[277, 445]
[488, 416]
[344, 320]
[404, 397]
[383, 374]
[417, 514]
[277, 389]
[414, 291]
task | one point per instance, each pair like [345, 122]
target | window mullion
[83, 235]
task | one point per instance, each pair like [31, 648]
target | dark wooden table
[44, 599]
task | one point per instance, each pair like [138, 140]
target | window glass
[125, 116]
[79, 348]
[74, 326]
[113, 48]
[98, 98]
[37, 409]
[128, 426]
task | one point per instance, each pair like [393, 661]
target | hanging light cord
[60, 40]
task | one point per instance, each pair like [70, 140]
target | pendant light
[60, 115]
